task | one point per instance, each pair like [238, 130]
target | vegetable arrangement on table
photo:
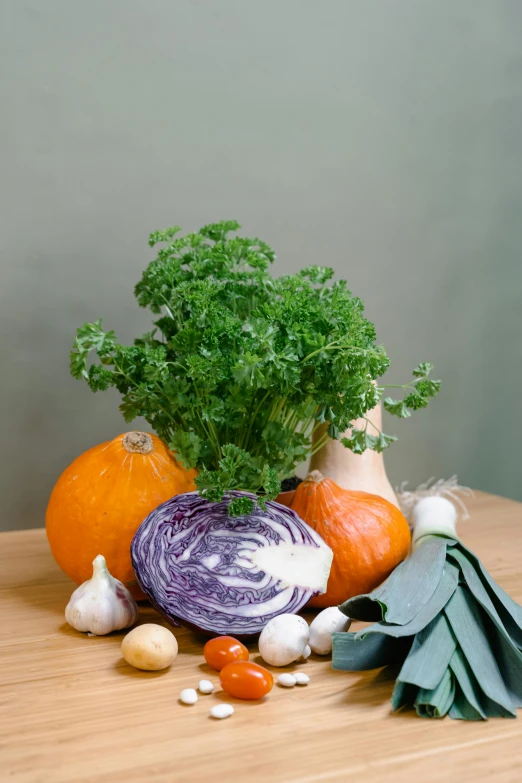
[242, 377]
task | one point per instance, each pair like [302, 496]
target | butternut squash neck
[365, 472]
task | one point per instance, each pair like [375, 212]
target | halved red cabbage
[227, 575]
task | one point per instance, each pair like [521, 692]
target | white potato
[150, 647]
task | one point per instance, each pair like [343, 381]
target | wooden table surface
[72, 710]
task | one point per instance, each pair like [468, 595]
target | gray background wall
[381, 138]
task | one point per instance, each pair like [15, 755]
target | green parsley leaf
[99, 378]
[396, 408]
[427, 387]
[416, 401]
[423, 369]
[163, 236]
[187, 447]
[239, 507]
[359, 441]
[383, 442]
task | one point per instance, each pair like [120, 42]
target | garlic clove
[102, 604]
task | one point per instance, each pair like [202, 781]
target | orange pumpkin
[368, 535]
[100, 500]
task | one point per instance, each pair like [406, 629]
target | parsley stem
[317, 425]
[276, 409]
[402, 385]
[369, 421]
[244, 443]
[323, 440]
[328, 347]
[333, 346]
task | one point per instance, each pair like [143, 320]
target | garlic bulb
[102, 604]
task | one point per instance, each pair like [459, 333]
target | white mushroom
[326, 623]
[284, 639]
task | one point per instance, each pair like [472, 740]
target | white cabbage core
[295, 564]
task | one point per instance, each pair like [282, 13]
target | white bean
[301, 678]
[205, 686]
[222, 711]
[286, 680]
[188, 696]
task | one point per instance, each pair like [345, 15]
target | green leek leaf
[351, 653]
[436, 702]
[401, 597]
[468, 684]
[430, 655]
[445, 589]
[469, 628]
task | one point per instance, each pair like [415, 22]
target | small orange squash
[368, 535]
[100, 500]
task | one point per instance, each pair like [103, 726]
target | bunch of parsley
[240, 367]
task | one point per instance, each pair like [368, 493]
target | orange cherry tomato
[246, 680]
[222, 650]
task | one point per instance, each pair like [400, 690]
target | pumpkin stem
[138, 442]
[316, 476]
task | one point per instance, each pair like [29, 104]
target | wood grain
[72, 711]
